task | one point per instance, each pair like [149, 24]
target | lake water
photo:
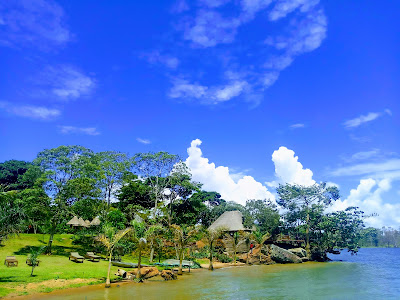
[372, 274]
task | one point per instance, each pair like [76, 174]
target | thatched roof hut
[82, 222]
[87, 223]
[74, 222]
[95, 222]
[231, 220]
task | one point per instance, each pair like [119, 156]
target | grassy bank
[54, 272]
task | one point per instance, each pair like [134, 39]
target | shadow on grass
[55, 250]
[8, 279]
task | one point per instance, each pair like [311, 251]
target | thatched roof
[231, 220]
[95, 222]
[82, 222]
[74, 222]
[87, 222]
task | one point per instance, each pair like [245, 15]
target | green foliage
[221, 257]
[11, 171]
[116, 218]
[264, 214]
[11, 214]
[34, 257]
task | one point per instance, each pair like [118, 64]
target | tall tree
[114, 166]
[62, 166]
[303, 199]
[156, 169]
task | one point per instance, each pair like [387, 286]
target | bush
[223, 258]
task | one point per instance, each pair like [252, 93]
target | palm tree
[109, 239]
[260, 239]
[138, 237]
[152, 235]
[212, 235]
[183, 236]
[33, 257]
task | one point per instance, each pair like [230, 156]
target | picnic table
[11, 261]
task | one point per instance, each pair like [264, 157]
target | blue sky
[245, 77]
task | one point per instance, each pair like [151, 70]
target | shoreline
[116, 284]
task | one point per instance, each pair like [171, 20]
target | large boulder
[255, 258]
[168, 275]
[283, 256]
[300, 252]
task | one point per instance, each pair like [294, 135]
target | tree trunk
[259, 253]
[308, 235]
[180, 272]
[151, 254]
[211, 267]
[33, 267]
[138, 275]
[108, 282]
[50, 243]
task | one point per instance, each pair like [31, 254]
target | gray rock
[300, 252]
[283, 256]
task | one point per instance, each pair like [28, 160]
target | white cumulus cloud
[289, 170]
[368, 197]
[219, 178]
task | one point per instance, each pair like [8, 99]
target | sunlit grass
[56, 266]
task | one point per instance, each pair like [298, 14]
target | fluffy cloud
[37, 23]
[79, 130]
[289, 170]
[368, 196]
[212, 24]
[221, 180]
[365, 118]
[30, 111]
[64, 82]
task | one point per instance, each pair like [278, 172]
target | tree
[35, 204]
[264, 214]
[113, 165]
[211, 236]
[152, 236]
[135, 193]
[10, 173]
[260, 238]
[65, 167]
[33, 257]
[183, 236]
[300, 199]
[156, 169]
[11, 215]
[110, 239]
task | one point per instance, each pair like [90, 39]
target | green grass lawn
[15, 280]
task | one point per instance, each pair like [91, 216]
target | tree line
[150, 192]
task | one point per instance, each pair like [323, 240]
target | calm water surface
[372, 274]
